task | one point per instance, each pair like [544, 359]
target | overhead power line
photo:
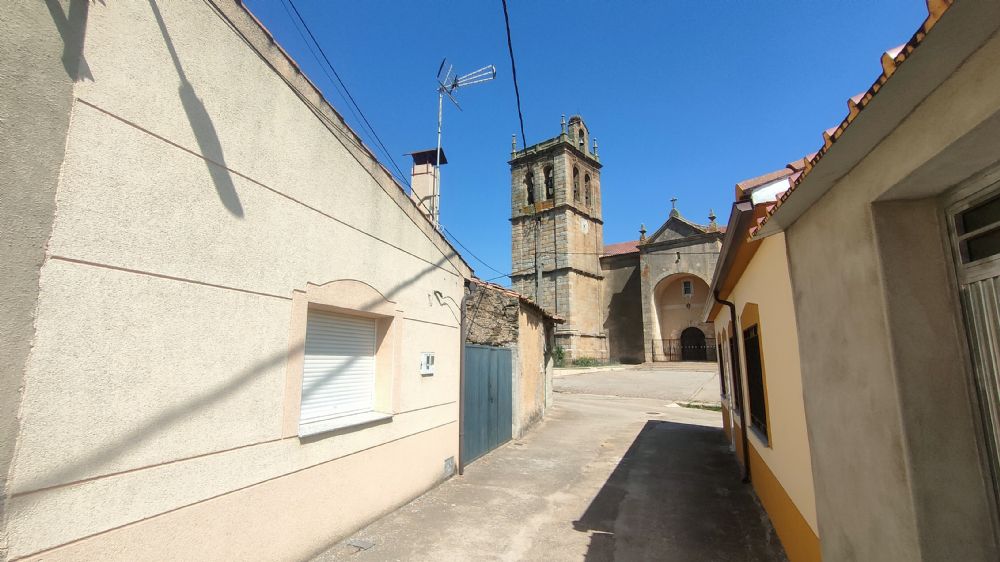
[513, 71]
[360, 115]
[322, 53]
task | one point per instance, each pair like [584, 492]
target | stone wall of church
[697, 259]
[622, 297]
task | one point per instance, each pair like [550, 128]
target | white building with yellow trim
[755, 330]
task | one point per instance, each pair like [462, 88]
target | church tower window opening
[576, 184]
[529, 186]
[586, 189]
[550, 183]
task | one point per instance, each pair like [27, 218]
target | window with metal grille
[687, 288]
[755, 380]
[978, 231]
[734, 363]
[722, 370]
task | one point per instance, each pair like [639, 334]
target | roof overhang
[959, 32]
[736, 253]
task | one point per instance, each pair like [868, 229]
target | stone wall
[662, 261]
[623, 308]
[491, 317]
[497, 318]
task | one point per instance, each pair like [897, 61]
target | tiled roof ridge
[891, 60]
[762, 179]
[615, 249]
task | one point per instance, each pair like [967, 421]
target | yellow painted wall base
[800, 542]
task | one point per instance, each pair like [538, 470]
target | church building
[632, 301]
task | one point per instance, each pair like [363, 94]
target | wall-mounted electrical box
[427, 364]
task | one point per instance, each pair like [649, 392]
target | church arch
[677, 304]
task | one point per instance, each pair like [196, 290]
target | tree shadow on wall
[72, 26]
[159, 425]
[210, 147]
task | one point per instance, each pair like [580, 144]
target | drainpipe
[738, 380]
[463, 332]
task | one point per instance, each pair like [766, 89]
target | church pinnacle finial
[563, 124]
[513, 145]
[673, 207]
[642, 232]
[712, 225]
[595, 146]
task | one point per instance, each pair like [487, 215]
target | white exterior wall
[157, 374]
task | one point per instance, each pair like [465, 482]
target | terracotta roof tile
[758, 181]
[891, 60]
[621, 248]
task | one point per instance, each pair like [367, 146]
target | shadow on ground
[677, 495]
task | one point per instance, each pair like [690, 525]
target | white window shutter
[338, 376]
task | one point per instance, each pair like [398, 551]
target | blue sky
[686, 98]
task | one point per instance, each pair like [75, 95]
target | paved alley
[607, 476]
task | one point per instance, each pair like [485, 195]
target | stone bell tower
[557, 234]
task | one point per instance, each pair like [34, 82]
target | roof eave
[930, 59]
[739, 221]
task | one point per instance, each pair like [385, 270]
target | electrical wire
[513, 71]
[348, 92]
[298, 15]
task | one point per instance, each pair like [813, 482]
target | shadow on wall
[204, 130]
[72, 27]
[624, 322]
[161, 423]
[677, 495]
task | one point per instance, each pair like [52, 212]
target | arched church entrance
[679, 333]
[693, 345]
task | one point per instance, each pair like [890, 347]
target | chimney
[422, 183]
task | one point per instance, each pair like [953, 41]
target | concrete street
[616, 471]
[678, 382]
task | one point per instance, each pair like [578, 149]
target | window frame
[750, 319]
[576, 184]
[687, 288]
[345, 297]
[529, 186]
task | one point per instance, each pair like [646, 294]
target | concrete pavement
[604, 477]
[663, 382]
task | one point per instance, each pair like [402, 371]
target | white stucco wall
[197, 193]
[891, 414]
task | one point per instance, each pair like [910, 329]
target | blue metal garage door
[487, 403]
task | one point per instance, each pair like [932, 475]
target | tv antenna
[448, 82]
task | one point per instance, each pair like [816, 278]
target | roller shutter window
[338, 376]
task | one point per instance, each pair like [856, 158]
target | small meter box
[427, 364]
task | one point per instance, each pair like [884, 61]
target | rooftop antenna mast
[448, 83]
